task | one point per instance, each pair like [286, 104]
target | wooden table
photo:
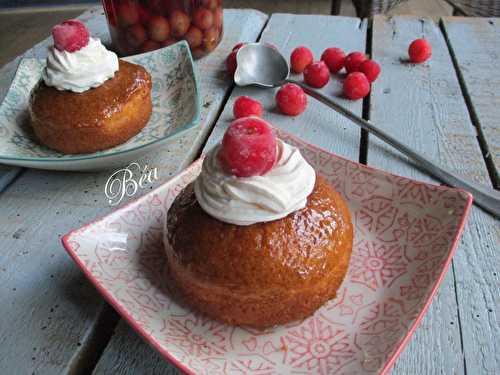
[53, 321]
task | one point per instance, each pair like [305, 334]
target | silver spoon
[262, 65]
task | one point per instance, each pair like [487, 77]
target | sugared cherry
[371, 69]
[291, 99]
[203, 18]
[356, 86]
[316, 74]
[334, 59]
[194, 37]
[248, 148]
[420, 50]
[128, 13]
[210, 4]
[144, 15]
[136, 35]
[71, 35]
[353, 61]
[158, 28]
[300, 58]
[245, 106]
[210, 39]
[179, 23]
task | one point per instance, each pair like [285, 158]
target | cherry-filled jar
[138, 26]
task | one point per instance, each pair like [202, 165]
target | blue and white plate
[176, 109]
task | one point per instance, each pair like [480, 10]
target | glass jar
[138, 26]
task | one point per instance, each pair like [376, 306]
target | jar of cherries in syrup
[138, 26]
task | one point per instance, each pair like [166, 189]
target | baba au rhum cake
[88, 100]
[257, 249]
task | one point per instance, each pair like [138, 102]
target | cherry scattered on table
[356, 86]
[334, 58]
[300, 58]
[248, 147]
[316, 74]
[353, 61]
[245, 106]
[371, 69]
[291, 99]
[420, 50]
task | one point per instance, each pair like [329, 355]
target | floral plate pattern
[405, 235]
[176, 108]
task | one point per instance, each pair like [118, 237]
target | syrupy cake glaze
[262, 274]
[95, 119]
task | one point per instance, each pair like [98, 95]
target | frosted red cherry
[317, 74]
[245, 106]
[356, 86]
[420, 50]
[353, 61]
[71, 35]
[291, 99]
[300, 58]
[371, 69]
[334, 59]
[248, 148]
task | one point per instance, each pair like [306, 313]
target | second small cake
[257, 249]
[88, 100]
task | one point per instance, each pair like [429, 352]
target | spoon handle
[485, 197]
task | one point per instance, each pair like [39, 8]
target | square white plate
[405, 235]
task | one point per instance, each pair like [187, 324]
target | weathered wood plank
[427, 8]
[318, 125]
[475, 45]
[49, 311]
[422, 105]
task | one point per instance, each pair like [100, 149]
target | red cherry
[353, 61]
[291, 99]
[356, 86]
[218, 18]
[71, 35]
[317, 74]
[371, 69]
[194, 37]
[300, 58]
[231, 63]
[158, 28]
[144, 15]
[248, 148]
[245, 106]
[150, 45]
[128, 13]
[203, 18]
[210, 4]
[334, 59]
[135, 35]
[179, 23]
[420, 50]
[210, 39]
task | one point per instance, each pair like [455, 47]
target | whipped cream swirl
[249, 200]
[81, 70]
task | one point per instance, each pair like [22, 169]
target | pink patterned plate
[405, 235]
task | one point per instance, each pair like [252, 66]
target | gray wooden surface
[53, 321]
[475, 45]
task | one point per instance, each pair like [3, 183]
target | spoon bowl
[260, 65]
